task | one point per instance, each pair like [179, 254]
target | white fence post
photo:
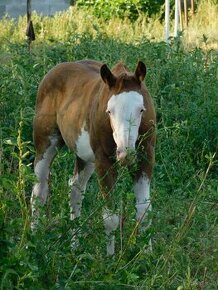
[176, 27]
[167, 20]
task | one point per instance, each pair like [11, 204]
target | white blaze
[125, 111]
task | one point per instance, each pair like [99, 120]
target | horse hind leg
[46, 149]
[142, 192]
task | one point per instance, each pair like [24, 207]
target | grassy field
[182, 79]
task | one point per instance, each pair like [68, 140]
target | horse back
[66, 81]
[65, 96]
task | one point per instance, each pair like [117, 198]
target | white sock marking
[42, 171]
[111, 222]
[78, 183]
[142, 192]
[40, 189]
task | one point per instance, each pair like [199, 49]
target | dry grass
[204, 22]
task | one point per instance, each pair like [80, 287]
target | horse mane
[120, 69]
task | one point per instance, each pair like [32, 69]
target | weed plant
[184, 187]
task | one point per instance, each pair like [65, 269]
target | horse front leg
[142, 182]
[82, 173]
[107, 177]
[143, 201]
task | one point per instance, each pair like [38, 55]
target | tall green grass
[184, 187]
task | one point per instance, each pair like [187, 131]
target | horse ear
[140, 71]
[107, 76]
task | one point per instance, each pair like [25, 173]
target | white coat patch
[83, 147]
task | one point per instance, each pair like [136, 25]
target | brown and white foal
[101, 115]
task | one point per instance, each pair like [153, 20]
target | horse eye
[142, 110]
[108, 112]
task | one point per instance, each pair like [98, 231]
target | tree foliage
[131, 9]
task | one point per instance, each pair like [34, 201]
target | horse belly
[83, 147]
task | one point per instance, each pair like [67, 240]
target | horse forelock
[119, 69]
[125, 80]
